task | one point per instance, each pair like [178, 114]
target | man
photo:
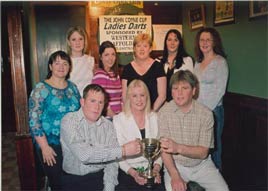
[186, 128]
[90, 147]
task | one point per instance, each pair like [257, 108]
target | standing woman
[108, 77]
[212, 71]
[83, 64]
[137, 121]
[175, 57]
[150, 71]
[49, 101]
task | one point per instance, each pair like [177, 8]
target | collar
[81, 117]
[176, 108]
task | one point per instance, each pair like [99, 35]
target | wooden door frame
[24, 146]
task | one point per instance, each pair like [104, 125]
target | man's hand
[178, 184]
[132, 147]
[48, 155]
[169, 146]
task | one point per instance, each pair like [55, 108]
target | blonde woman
[83, 64]
[137, 121]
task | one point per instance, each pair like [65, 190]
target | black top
[169, 74]
[142, 133]
[149, 78]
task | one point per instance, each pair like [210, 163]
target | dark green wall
[245, 43]
[52, 23]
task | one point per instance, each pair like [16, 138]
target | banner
[121, 29]
[138, 4]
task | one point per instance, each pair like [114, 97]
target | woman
[49, 101]
[107, 76]
[137, 121]
[175, 57]
[212, 71]
[145, 68]
[83, 64]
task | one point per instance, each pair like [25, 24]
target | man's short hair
[95, 88]
[186, 76]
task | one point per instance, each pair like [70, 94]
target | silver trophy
[150, 150]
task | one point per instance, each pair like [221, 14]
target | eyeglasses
[205, 40]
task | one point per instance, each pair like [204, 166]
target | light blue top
[47, 106]
[213, 81]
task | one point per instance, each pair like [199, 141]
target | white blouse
[127, 130]
[82, 71]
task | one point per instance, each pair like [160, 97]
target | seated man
[90, 148]
[186, 128]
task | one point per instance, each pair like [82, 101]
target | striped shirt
[112, 85]
[194, 128]
[89, 148]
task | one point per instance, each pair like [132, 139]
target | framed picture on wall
[197, 17]
[258, 8]
[223, 12]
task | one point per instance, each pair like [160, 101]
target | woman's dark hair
[53, 57]
[103, 46]
[217, 43]
[181, 51]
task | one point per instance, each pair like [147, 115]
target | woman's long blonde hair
[131, 86]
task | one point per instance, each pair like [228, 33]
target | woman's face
[60, 68]
[76, 42]
[172, 43]
[206, 42]
[108, 58]
[142, 50]
[138, 98]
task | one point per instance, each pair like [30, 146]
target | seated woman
[137, 121]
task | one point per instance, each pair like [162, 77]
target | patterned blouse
[47, 106]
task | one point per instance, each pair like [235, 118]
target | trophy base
[150, 182]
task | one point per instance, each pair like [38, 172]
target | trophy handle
[157, 153]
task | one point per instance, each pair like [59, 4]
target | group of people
[87, 122]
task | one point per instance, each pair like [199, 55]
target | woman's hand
[110, 112]
[49, 155]
[156, 172]
[139, 179]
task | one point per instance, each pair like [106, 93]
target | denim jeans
[218, 129]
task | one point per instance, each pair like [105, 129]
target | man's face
[92, 105]
[182, 94]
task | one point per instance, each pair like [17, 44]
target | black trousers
[90, 181]
[53, 172]
[127, 183]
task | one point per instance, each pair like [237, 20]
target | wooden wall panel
[245, 142]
